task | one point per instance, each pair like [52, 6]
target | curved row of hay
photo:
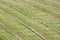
[29, 20]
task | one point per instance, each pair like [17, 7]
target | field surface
[29, 19]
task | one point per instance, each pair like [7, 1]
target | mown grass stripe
[43, 8]
[49, 2]
[17, 38]
[4, 35]
[42, 3]
[36, 20]
[27, 27]
[47, 26]
[20, 28]
[39, 11]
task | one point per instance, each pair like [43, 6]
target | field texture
[29, 19]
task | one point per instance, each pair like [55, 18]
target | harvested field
[29, 20]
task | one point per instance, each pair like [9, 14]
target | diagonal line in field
[47, 4]
[50, 4]
[37, 10]
[57, 12]
[27, 26]
[31, 17]
[41, 3]
[36, 19]
[3, 26]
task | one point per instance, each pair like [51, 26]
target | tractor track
[13, 34]
[44, 4]
[39, 11]
[47, 4]
[29, 16]
[27, 26]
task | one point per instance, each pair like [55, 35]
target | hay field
[29, 20]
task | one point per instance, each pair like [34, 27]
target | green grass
[29, 20]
